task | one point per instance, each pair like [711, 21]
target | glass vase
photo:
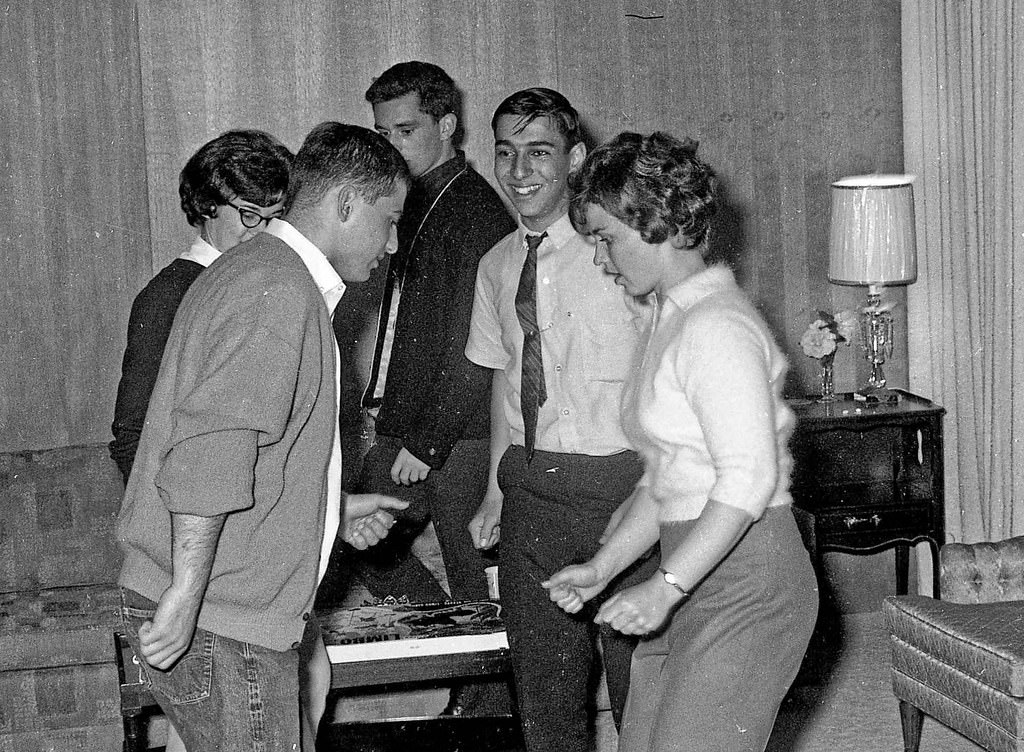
[828, 390]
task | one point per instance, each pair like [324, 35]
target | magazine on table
[396, 628]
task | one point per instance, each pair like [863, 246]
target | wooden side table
[138, 703]
[869, 477]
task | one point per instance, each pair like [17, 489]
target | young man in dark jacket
[428, 403]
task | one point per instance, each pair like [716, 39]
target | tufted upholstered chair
[960, 660]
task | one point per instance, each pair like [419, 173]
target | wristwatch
[672, 580]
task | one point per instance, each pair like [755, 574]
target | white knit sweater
[706, 408]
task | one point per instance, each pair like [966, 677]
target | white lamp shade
[872, 240]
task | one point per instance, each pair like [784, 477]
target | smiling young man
[235, 498]
[560, 337]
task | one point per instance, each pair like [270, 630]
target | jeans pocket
[190, 678]
[131, 619]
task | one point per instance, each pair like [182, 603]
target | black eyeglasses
[250, 219]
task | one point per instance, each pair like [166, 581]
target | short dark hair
[437, 93]
[654, 184]
[340, 154]
[246, 164]
[538, 102]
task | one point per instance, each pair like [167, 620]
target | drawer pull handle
[874, 519]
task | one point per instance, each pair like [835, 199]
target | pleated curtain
[963, 96]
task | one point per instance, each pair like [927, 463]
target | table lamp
[872, 243]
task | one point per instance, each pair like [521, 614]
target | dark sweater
[434, 395]
[148, 326]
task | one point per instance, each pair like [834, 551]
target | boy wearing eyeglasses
[230, 188]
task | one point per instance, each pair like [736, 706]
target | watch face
[672, 580]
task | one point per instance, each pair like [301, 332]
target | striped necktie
[533, 393]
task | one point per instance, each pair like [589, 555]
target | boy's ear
[576, 156]
[448, 123]
[346, 197]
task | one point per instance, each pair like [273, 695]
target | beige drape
[963, 94]
[105, 101]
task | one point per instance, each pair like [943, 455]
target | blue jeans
[222, 694]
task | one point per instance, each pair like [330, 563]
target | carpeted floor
[845, 703]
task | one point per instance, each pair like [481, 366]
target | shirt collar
[559, 232]
[201, 252]
[715, 278]
[434, 181]
[331, 286]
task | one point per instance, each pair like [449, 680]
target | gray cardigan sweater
[241, 423]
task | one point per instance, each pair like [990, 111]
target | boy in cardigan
[235, 498]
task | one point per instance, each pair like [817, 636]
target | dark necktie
[387, 319]
[533, 393]
[400, 265]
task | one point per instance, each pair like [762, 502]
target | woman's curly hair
[247, 164]
[654, 184]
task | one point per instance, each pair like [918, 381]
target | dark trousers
[715, 678]
[555, 510]
[449, 497]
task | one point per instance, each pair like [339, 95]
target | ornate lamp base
[876, 330]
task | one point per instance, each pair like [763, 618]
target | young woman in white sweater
[728, 616]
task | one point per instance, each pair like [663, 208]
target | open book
[393, 629]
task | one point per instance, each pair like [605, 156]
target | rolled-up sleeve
[239, 400]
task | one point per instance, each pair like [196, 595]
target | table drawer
[821, 498]
[867, 527]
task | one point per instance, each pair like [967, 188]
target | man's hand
[193, 547]
[574, 585]
[485, 527]
[640, 609]
[166, 638]
[365, 519]
[407, 469]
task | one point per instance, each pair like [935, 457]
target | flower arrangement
[820, 340]
[824, 334]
